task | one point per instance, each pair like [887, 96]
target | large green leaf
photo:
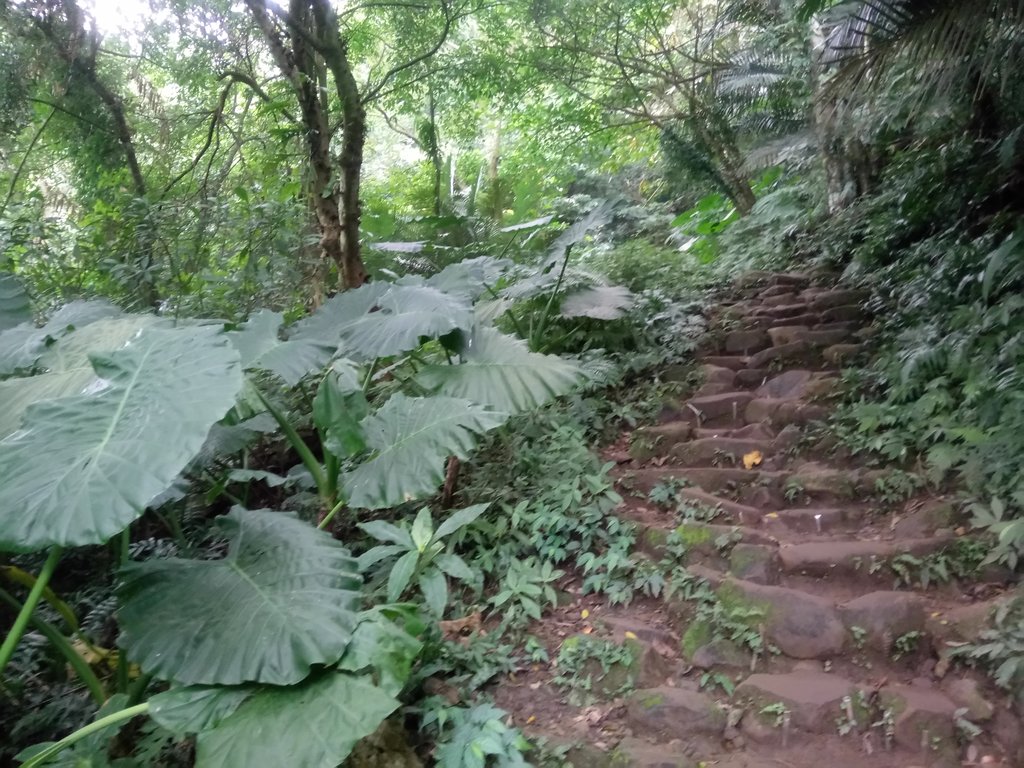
[410, 438]
[469, 277]
[14, 304]
[83, 467]
[282, 600]
[20, 347]
[23, 345]
[260, 347]
[313, 725]
[70, 372]
[500, 372]
[405, 314]
[600, 302]
[195, 708]
[327, 324]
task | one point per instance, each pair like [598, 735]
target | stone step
[789, 334]
[779, 299]
[712, 480]
[741, 513]
[781, 413]
[746, 342]
[781, 312]
[717, 374]
[839, 354]
[794, 351]
[725, 451]
[812, 699]
[814, 520]
[861, 559]
[752, 377]
[820, 300]
[799, 624]
[851, 312]
[759, 277]
[733, 362]
[753, 431]
[675, 713]
[878, 619]
[707, 407]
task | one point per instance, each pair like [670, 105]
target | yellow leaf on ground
[752, 459]
[630, 635]
[585, 613]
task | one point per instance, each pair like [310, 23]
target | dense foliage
[311, 317]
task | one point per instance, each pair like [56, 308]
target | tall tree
[311, 46]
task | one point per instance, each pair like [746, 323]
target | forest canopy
[337, 340]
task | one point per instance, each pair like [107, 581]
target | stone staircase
[802, 544]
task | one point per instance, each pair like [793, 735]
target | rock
[658, 440]
[796, 412]
[922, 717]
[580, 755]
[746, 341]
[781, 312]
[818, 479]
[821, 387]
[720, 653]
[884, 616]
[852, 558]
[715, 449]
[387, 747]
[710, 479]
[837, 298]
[725, 361]
[788, 385]
[840, 353]
[757, 563]
[801, 625]
[746, 515]
[778, 300]
[752, 377]
[762, 409]
[845, 313]
[759, 276]
[812, 698]
[727, 404]
[648, 633]
[786, 334]
[806, 519]
[962, 624]
[926, 519]
[807, 319]
[713, 388]
[634, 753]
[788, 438]
[783, 352]
[966, 693]
[717, 374]
[674, 713]
[818, 338]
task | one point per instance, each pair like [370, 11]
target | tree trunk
[847, 165]
[78, 47]
[353, 138]
[315, 43]
[434, 150]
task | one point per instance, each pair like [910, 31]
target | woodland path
[802, 546]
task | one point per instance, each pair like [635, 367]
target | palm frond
[962, 46]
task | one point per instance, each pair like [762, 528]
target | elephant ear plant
[264, 654]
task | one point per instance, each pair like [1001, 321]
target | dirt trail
[855, 673]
